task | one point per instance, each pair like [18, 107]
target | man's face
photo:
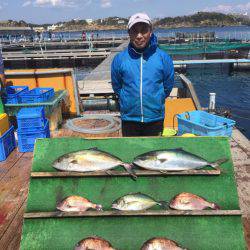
[140, 35]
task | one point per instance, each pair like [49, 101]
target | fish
[93, 243]
[90, 160]
[188, 201]
[173, 160]
[161, 243]
[135, 202]
[77, 204]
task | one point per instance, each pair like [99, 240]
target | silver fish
[188, 201]
[135, 202]
[93, 243]
[173, 160]
[90, 160]
[161, 243]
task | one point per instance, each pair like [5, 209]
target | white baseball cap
[139, 18]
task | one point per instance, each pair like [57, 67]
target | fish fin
[94, 148]
[74, 161]
[178, 149]
[216, 164]
[163, 172]
[164, 204]
[108, 172]
[162, 160]
[129, 169]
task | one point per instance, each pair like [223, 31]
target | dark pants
[142, 129]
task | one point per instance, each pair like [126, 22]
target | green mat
[129, 233]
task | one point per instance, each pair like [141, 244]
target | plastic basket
[13, 93]
[26, 140]
[31, 119]
[7, 143]
[205, 124]
[37, 95]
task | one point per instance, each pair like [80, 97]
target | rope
[111, 127]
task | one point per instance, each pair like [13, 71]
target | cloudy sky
[49, 11]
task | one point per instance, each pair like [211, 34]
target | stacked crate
[7, 137]
[32, 124]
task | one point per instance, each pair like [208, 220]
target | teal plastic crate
[204, 123]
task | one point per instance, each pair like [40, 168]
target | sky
[52, 11]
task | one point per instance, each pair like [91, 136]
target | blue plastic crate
[31, 119]
[13, 93]
[7, 143]
[37, 95]
[205, 124]
[26, 140]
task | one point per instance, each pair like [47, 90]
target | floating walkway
[211, 61]
[55, 54]
[98, 81]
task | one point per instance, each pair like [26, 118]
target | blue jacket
[142, 81]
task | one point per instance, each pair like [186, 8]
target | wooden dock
[63, 44]
[14, 182]
[98, 81]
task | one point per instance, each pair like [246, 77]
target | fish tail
[215, 206]
[216, 164]
[164, 204]
[129, 168]
[98, 207]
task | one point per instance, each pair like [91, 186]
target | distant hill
[203, 19]
[196, 20]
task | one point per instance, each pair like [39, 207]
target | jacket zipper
[141, 89]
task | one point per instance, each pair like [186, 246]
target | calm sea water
[232, 91]
[231, 32]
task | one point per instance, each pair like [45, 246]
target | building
[39, 29]
[89, 20]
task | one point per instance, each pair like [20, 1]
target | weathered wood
[120, 173]
[12, 236]
[132, 213]
[191, 91]
[6, 165]
[13, 190]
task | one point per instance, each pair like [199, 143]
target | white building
[89, 20]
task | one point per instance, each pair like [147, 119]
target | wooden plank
[132, 213]
[12, 240]
[188, 84]
[13, 190]
[6, 165]
[120, 173]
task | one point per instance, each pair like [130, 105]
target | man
[2, 82]
[142, 77]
